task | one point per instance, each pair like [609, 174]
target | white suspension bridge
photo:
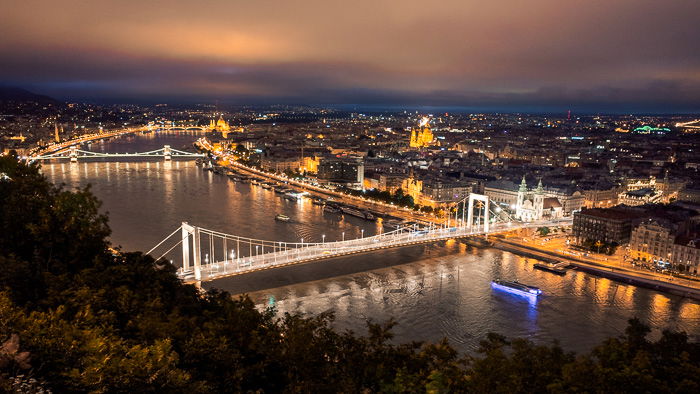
[74, 153]
[208, 254]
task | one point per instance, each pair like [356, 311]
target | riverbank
[380, 208]
[686, 289]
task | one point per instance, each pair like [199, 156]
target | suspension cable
[164, 239]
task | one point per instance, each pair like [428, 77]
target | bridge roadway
[286, 254]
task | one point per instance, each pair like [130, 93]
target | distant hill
[10, 93]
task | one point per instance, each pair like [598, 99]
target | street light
[343, 236]
[363, 233]
[323, 238]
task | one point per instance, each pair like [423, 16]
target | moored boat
[290, 195]
[331, 209]
[392, 224]
[559, 269]
[357, 213]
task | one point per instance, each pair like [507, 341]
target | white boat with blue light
[516, 287]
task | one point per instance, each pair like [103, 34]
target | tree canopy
[75, 317]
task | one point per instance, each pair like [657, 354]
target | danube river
[432, 291]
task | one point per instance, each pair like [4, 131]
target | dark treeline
[75, 317]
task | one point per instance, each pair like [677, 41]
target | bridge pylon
[193, 231]
[167, 153]
[73, 154]
[484, 200]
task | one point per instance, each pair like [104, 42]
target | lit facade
[422, 135]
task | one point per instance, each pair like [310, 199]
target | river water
[432, 291]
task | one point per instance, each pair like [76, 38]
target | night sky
[587, 55]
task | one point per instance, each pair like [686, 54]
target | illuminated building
[310, 164]
[19, 137]
[421, 136]
[664, 243]
[347, 171]
[652, 241]
[610, 225]
[57, 138]
[412, 187]
[640, 197]
[531, 208]
[219, 125]
[685, 255]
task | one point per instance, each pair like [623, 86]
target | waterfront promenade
[610, 268]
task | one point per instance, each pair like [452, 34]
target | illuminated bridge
[74, 153]
[173, 126]
[695, 124]
[207, 254]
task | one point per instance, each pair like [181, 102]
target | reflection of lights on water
[689, 310]
[660, 303]
[602, 288]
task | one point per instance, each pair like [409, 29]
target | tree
[598, 244]
[543, 231]
[241, 150]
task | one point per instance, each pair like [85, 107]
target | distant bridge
[172, 126]
[74, 153]
[695, 124]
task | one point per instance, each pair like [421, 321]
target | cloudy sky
[588, 55]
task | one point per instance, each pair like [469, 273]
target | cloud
[622, 55]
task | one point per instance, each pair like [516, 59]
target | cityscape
[269, 212]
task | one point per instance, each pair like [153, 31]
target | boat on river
[282, 218]
[559, 268]
[516, 287]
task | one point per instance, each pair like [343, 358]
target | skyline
[540, 56]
